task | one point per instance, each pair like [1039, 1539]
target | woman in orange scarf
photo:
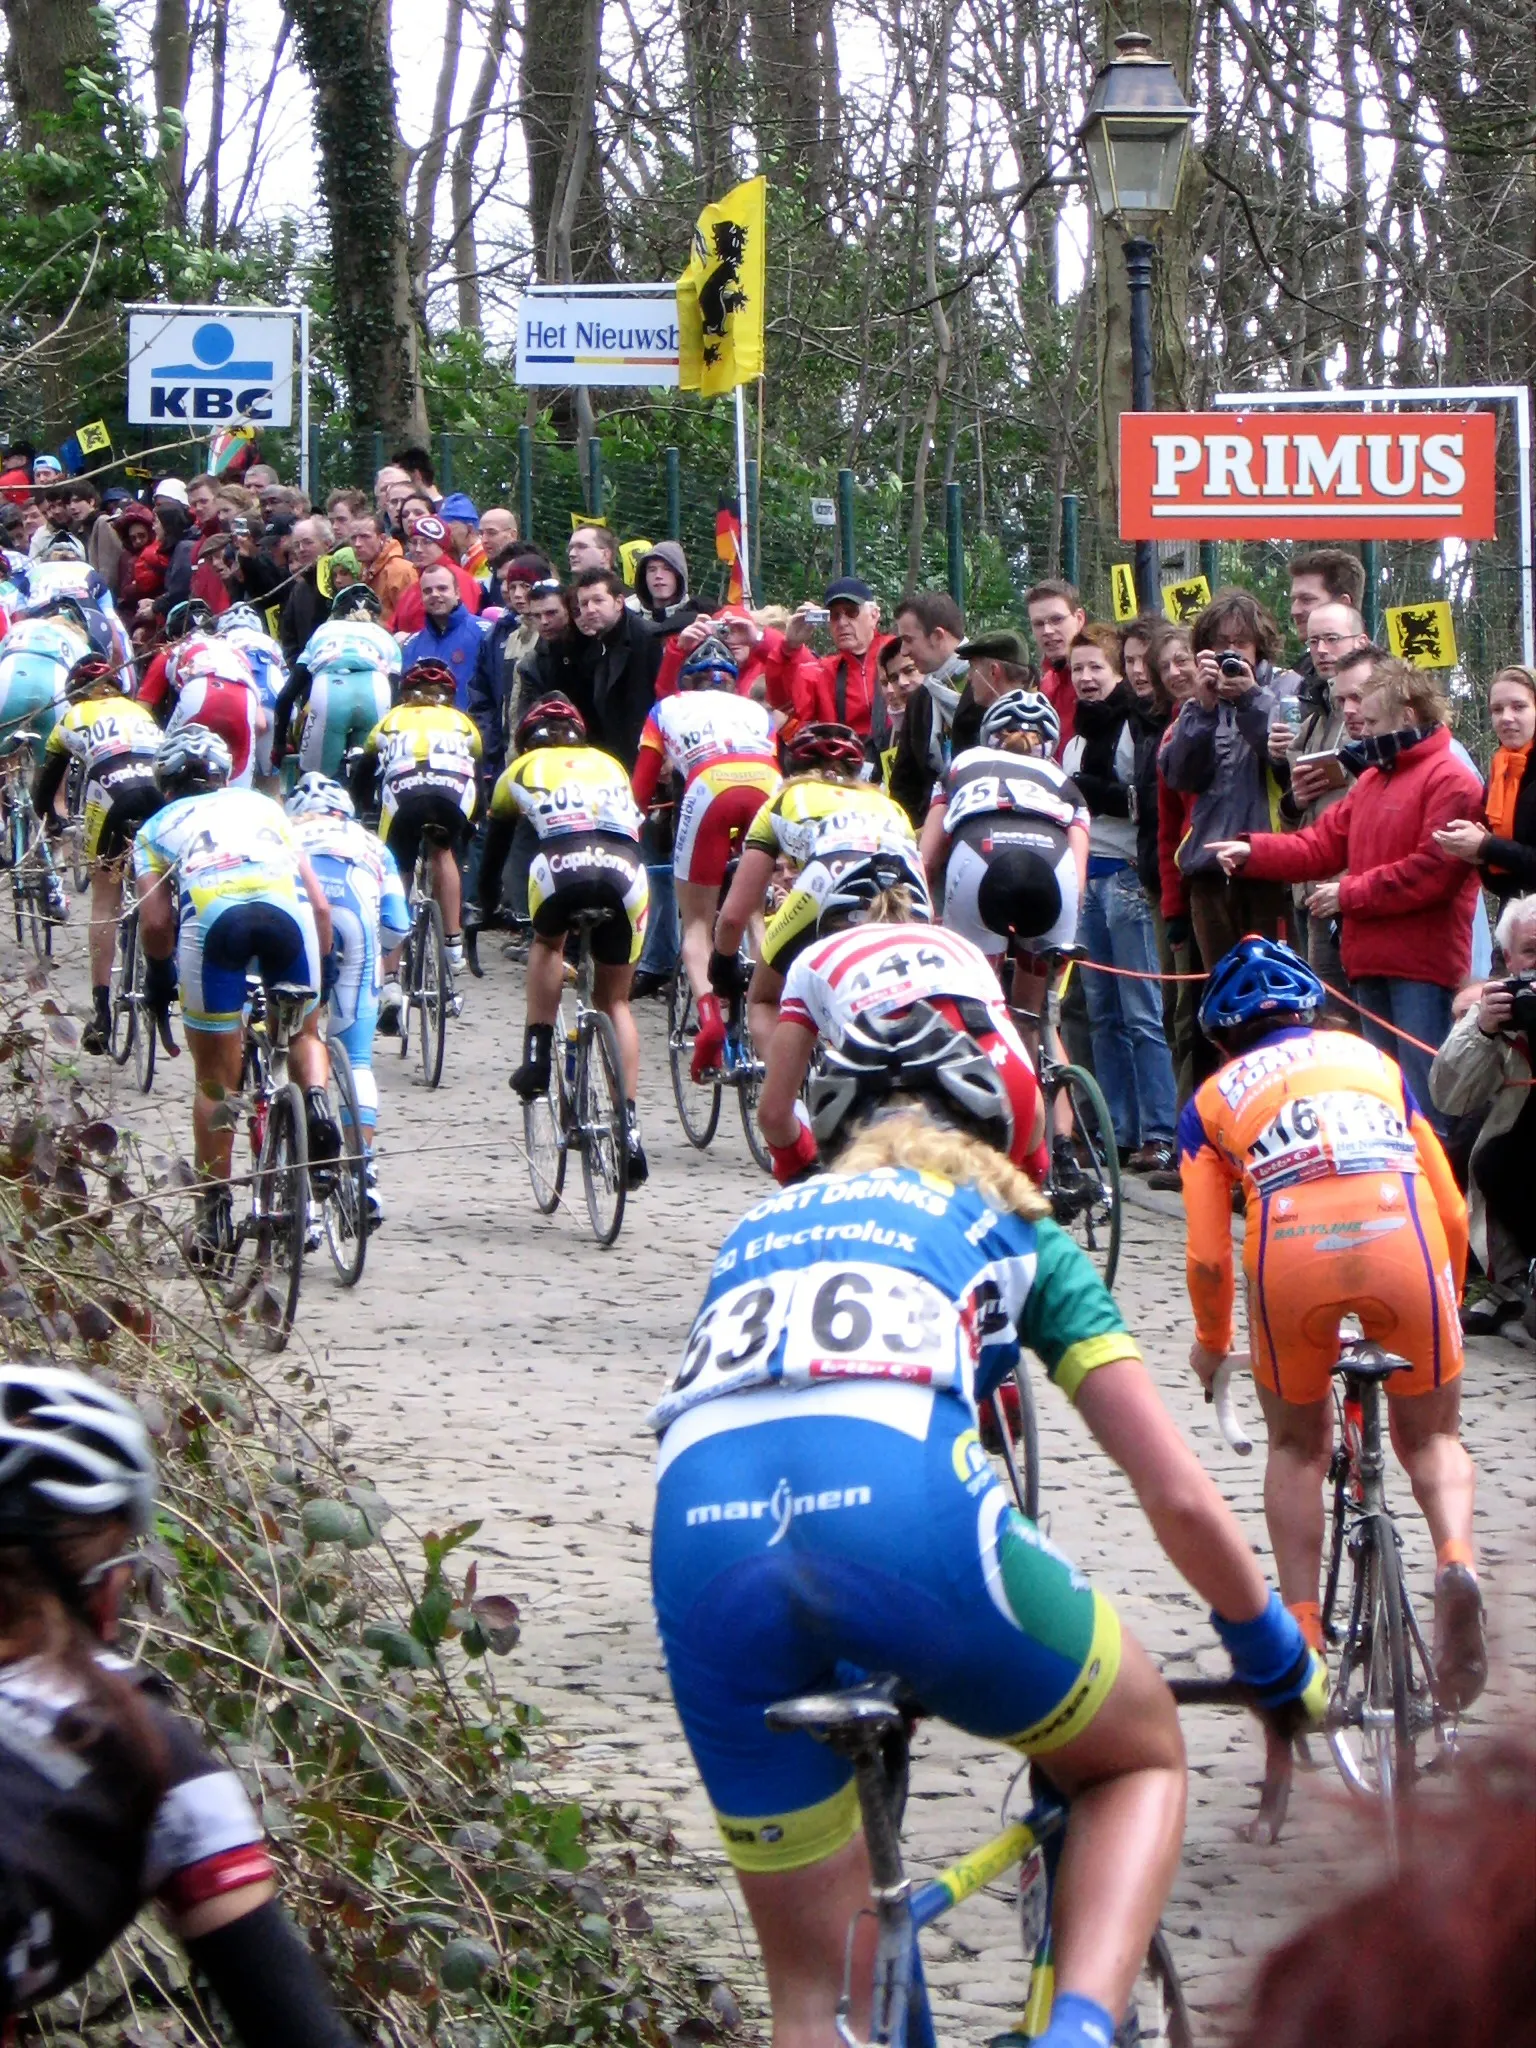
[1505, 848]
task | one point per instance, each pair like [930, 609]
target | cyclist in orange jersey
[1352, 1210]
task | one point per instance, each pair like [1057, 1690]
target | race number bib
[732, 1345]
[983, 795]
[849, 1321]
[1336, 1133]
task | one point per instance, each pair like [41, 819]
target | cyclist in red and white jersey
[203, 679]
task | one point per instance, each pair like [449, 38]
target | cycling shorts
[215, 954]
[1007, 874]
[1361, 1244]
[117, 801]
[430, 813]
[712, 819]
[345, 704]
[30, 697]
[799, 1531]
[592, 871]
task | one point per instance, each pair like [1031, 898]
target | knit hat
[457, 506]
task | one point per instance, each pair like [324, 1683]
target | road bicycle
[583, 1106]
[136, 1032]
[698, 1102]
[1382, 1710]
[871, 1724]
[35, 887]
[342, 1192]
[263, 1257]
[1083, 1181]
[425, 983]
[74, 827]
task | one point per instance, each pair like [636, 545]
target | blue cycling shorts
[797, 1531]
[214, 956]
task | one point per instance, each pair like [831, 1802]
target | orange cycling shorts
[1367, 1245]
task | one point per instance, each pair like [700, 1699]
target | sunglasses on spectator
[548, 588]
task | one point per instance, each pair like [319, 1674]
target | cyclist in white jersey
[876, 955]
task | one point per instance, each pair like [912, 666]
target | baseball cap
[171, 487]
[457, 506]
[1002, 644]
[46, 465]
[850, 587]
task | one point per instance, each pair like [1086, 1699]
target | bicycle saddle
[856, 1718]
[1363, 1361]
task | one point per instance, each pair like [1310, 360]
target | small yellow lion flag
[720, 294]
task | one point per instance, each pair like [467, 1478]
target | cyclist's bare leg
[610, 991]
[446, 887]
[696, 904]
[106, 906]
[763, 1003]
[1426, 1436]
[802, 1918]
[308, 1061]
[216, 1061]
[546, 978]
[1300, 1445]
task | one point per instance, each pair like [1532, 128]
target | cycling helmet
[549, 723]
[81, 613]
[710, 658]
[855, 889]
[89, 677]
[1256, 979]
[355, 601]
[317, 796]
[69, 1447]
[192, 615]
[823, 746]
[1021, 711]
[191, 760]
[63, 547]
[917, 1053]
[240, 618]
[428, 679]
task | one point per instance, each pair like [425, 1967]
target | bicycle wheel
[545, 1122]
[407, 991]
[80, 867]
[282, 1195]
[145, 1034]
[345, 1209]
[749, 1087]
[698, 1102]
[1088, 1203]
[17, 841]
[1018, 1432]
[600, 1119]
[432, 984]
[1372, 1720]
[123, 1015]
[1157, 2016]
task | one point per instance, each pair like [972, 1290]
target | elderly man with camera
[1486, 1064]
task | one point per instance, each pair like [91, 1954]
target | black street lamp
[1135, 135]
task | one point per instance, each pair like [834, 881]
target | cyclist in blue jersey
[346, 677]
[823, 1498]
[369, 919]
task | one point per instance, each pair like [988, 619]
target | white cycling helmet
[240, 618]
[1021, 711]
[192, 759]
[69, 1447]
[317, 796]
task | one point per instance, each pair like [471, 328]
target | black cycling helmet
[1258, 978]
[861, 882]
[192, 615]
[711, 658]
[191, 760]
[357, 600]
[823, 746]
[90, 675]
[429, 679]
[69, 1448]
[917, 1053]
[1021, 711]
[549, 723]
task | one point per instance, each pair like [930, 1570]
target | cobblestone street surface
[496, 1364]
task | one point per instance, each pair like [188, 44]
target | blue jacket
[455, 640]
[493, 679]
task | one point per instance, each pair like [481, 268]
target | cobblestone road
[496, 1364]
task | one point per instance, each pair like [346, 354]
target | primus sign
[204, 366]
[1351, 476]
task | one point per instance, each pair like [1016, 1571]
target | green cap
[1000, 645]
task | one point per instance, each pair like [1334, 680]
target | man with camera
[1486, 1066]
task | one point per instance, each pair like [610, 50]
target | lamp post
[1135, 135]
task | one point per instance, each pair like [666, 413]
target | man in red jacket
[1406, 908]
[837, 688]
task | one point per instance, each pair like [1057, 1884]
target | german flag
[728, 544]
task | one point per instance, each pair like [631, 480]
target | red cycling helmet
[423, 676]
[89, 676]
[547, 723]
[823, 746]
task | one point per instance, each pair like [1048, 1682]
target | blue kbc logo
[213, 387]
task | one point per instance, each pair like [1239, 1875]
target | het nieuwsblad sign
[1329, 475]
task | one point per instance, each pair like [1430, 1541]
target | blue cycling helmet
[710, 657]
[1259, 977]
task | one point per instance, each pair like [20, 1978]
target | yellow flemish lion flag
[720, 294]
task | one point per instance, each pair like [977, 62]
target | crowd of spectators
[1321, 799]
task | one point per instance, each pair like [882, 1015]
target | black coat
[613, 684]
[912, 776]
[304, 609]
[1509, 865]
[1149, 729]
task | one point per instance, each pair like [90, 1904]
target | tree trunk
[558, 78]
[466, 260]
[47, 39]
[434, 153]
[799, 111]
[218, 53]
[172, 44]
[712, 57]
[934, 153]
[361, 178]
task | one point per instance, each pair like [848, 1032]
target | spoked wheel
[282, 1212]
[1011, 1432]
[80, 867]
[1157, 2016]
[345, 1208]
[1382, 1700]
[432, 984]
[1086, 1198]
[408, 972]
[749, 1087]
[698, 1102]
[143, 1031]
[544, 1131]
[600, 1116]
[124, 1015]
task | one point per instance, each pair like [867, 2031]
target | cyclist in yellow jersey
[424, 755]
[580, 804]
[819, 820]
[115, 739]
